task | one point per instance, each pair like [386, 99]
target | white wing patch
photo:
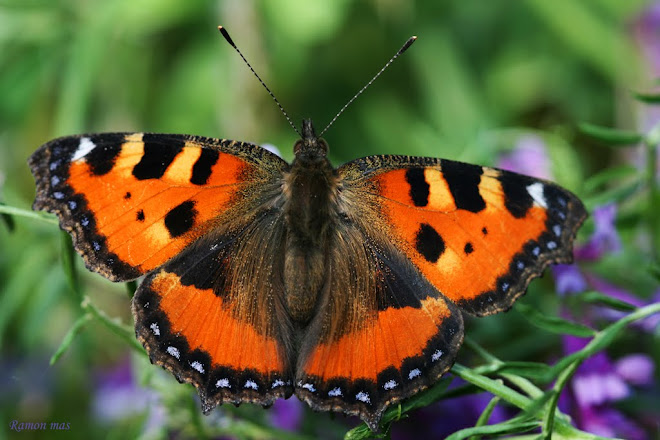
[536, 191]
[86, 145]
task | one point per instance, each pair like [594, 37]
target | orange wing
[132, 201]
[383, 332]
[479, 235]
[214, 315]
[458, 235]
[195, 214]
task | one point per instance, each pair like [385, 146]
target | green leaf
[70, 336]
[493, 386]
[616, 194]
[611, 137]
[38, 215]
[487, 412]
[69, 264]
[609, 175]
[531, 370]
[594, 297]
[549, 416]
[553, 323]
[507, 427]
[538, 403]
[8, 219]
[648, 98]
[121, 330]
[605, 337]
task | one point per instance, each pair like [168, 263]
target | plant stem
[651, 141]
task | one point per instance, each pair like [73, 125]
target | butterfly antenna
[225, 34]
[405, 47]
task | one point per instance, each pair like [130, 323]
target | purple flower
[608, 422]
[648, 324]
[636, 369]
[118, 397]
[594, 389]
[287, 414]
[447, 416]
[568, 279]
[599, 382]
[605, 238]
[527, 157]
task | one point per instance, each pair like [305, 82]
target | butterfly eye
[297, 148]
[322, 146]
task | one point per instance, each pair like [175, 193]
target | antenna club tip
[225, 34]
[407, 44]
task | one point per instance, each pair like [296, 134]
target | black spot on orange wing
[127, 196]
[463, 181]
[203, 166]
[181, 219]
[157, 156]
[468, 249]
[102, 158]
[140, 215]
[419, 187]
[429, 243]
[516, 197]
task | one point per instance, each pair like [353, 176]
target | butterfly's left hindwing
[214, 315]
[478, 234]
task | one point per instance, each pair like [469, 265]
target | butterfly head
[310, 146]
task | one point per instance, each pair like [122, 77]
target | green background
[480, 74]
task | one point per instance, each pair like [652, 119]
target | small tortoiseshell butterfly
[344, 286]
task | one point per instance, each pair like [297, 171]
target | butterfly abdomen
[310, 212]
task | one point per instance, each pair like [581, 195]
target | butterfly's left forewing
[132, 201]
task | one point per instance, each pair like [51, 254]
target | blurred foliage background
[481, 76]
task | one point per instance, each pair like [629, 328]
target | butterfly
[263, 279]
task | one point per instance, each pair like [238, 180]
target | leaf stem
[114, 325]
[20, 212]
[651, 141]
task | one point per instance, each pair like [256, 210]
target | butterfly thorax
[310, 208]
